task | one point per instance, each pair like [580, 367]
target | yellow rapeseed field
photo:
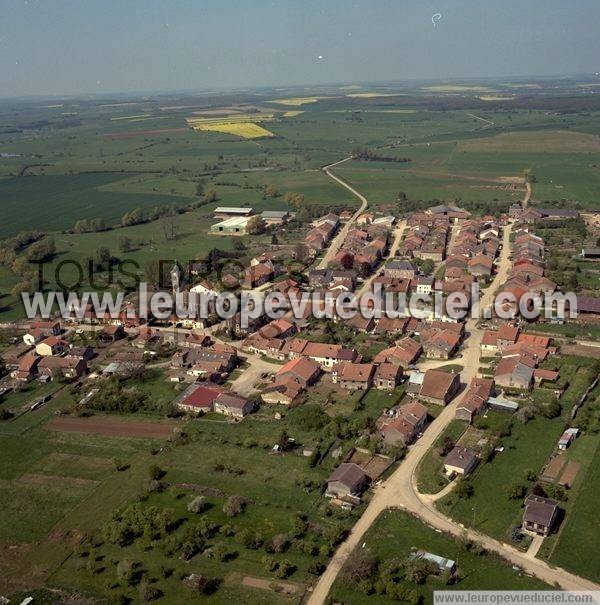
[291, 114]
[246, 130]
[297, 101]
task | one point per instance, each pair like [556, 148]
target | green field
[396, 533]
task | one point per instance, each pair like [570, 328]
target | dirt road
[338, 240]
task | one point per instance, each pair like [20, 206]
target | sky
[64, 47]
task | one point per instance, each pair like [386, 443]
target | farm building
[231, 211]
[234, 224]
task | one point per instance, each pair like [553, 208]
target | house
[409, 421]
[475, 400]
[326, 355]
[460, 461]
[405, 352]
[49, 326]
[489, 343]
[68, 367]
[540, 515]
[51, 346]
[360, 323]
[541, 375]
[439, 386]
[506, 335]
[197, 399]
[269, 347]
[347, 482]
[391, 325]
[284, 392]
[424, 285]
[440, 344]
[231, 404]
[303, 370]
[481, 266]
[387, 376]
[353, 376]
[401, 269]
[27, 368]
[515, 371]
[112, 333]
[85, 353]
[35, 335]
[567, 438]
[257, 275]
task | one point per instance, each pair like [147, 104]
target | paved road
[400, 490]
[338, 240]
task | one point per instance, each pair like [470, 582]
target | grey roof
[231, 400]
[442, 562]
[232, 210]
[400, 264]
[350, 475]
[275, 214]
[540, 510]
[461, 457]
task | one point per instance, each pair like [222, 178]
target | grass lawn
[395, 534]
[526, 448]
[430, 479]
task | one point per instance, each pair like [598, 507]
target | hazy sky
[74, 46]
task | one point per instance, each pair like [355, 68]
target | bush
[279, 543]
[155, 472]
[197, 505]
[285, 569]
[517, 491]
[234, 506]
[148, 592]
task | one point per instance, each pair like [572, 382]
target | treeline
[138, 216]
[493, 207]
[367, 155]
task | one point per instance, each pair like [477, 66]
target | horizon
[187, 47]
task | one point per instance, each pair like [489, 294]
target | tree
[132, 218]
[418, 570]
[360, 565]
[200, 188]
[41, 252]
[256, 225]
[210, 196]
[125, 244]
[294, 199]
[102, 258]
[271, 191]
[464, 488]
